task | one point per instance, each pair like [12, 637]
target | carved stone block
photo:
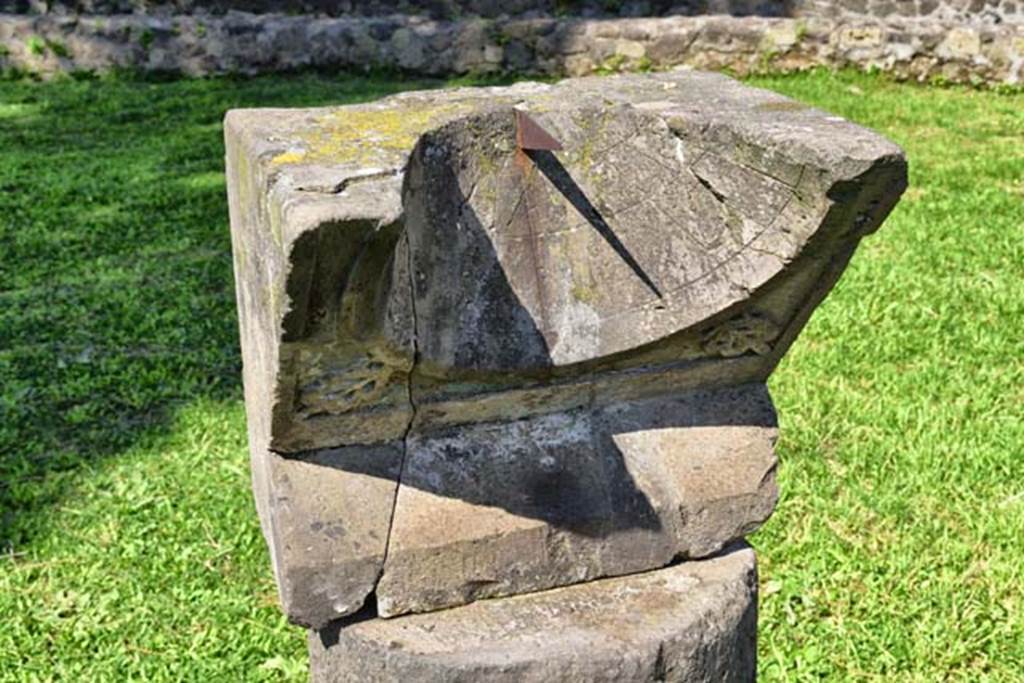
[694, 622]
[476, 367]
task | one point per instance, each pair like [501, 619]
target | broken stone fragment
[331, 514]
[688, 623]
[517, 369]
[512, 507]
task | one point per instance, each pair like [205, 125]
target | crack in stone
[768, 252]
[682, 137]
[412, 418]
[348, 181]
[708, 186]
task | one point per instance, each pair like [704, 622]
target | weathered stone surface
[563, 354]
[691, 622]
[536, 260]
[326, 516]
[512, 507]
[330, 517]
[502, 296]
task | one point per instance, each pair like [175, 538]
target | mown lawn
[129, 548]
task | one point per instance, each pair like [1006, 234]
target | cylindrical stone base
[695, 621]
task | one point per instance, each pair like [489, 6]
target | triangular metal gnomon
[529, 134]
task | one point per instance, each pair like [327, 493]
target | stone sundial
[499, 341]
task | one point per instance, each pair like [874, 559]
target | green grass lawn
[129, 546]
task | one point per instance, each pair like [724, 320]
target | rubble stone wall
[965, 10]
[966, 41]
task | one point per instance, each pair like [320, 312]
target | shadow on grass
[116, 299]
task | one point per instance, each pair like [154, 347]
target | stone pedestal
[691, 622]
[504, 340]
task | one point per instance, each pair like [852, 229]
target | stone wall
[973, 11]
[991, 11]
[203, 44]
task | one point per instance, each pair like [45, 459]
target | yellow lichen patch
[582, 275]
[582, 293]
[593, 129]
[366, 135]
[291, 157]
